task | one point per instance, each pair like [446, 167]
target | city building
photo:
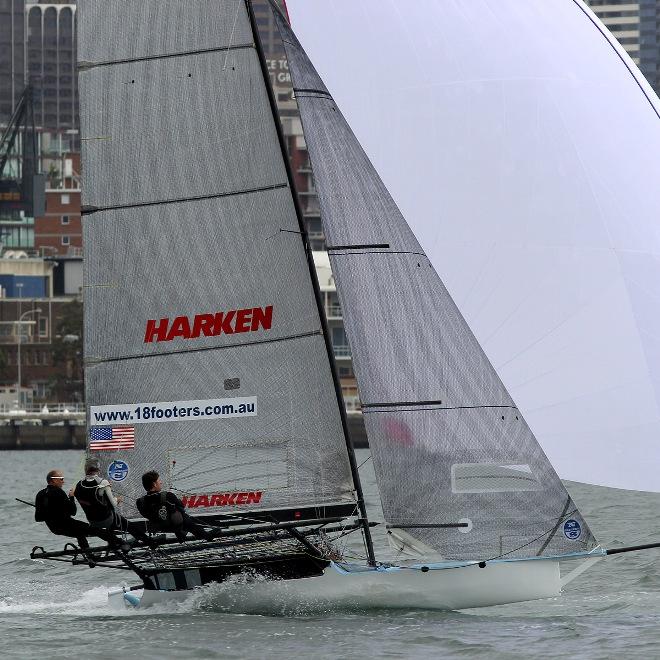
[38, 47]
[12, 56]
[40, 333]
[59, 231]
[338, 338]
[636, 26]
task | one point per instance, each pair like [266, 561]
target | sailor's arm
[105, 487]
[178, 504]
[71, 504]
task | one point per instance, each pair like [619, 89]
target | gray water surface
[58, 611]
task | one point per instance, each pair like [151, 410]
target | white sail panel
[177, 128]
[207, 257]
[482, 467]
[414, 342]
[432, 402]
[289, 381]
[114, 31]
[522, 144]
[198, 295]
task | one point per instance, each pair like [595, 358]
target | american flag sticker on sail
[111, 438]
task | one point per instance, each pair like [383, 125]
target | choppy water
[54, 610]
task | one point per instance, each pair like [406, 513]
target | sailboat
[208, 357]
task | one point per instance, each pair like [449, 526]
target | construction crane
[24, 191]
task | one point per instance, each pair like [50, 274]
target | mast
[317, 292]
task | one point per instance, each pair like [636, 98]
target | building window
[40, 389]
[43, 326]
[345, 371]
[65, 219]
[65, 199]
[66, 240]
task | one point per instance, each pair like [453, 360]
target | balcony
[342, 351]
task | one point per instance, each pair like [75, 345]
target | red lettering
[243, 320]
[226, 322]
[254, 498]
[156, 330]
[222, 323]
[262, 317]
[180, 328]
[203, 324]
[228, 499]
[209, 325]
[221, 499]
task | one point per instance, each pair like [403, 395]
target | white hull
[441, 589]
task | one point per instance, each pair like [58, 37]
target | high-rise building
[51, 65]
[636, 26]
[38, 46]
[12, 55]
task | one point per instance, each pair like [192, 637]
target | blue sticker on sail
[572, 530]
[118, 470]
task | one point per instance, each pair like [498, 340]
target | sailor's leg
[135, 529]
[190, 525]
[74, 528]
[105, 534]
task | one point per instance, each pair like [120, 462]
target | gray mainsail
[204, 352]
[448, 443]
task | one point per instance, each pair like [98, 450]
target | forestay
[449, 444]
[204, 354]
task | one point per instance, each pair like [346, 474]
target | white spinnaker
[522, 145]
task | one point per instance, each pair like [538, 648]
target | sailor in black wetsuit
[56, 509]
[100, 506]
[165, 511]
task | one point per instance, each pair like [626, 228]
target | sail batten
[95, 209]
[82, 66]
[448, 443]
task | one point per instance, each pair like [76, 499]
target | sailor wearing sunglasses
[54, 507]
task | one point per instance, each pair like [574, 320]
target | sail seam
[302, 335]
[87, 210]
[84, 66]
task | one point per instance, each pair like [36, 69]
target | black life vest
[93, 500]
[41, 505]
[155, 508]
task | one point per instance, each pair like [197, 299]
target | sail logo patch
[221, 499]
[231, 322]
[572, 530]
[118, 470]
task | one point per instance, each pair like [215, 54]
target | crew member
[165, 511]
[56, 509]
[100, 505]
